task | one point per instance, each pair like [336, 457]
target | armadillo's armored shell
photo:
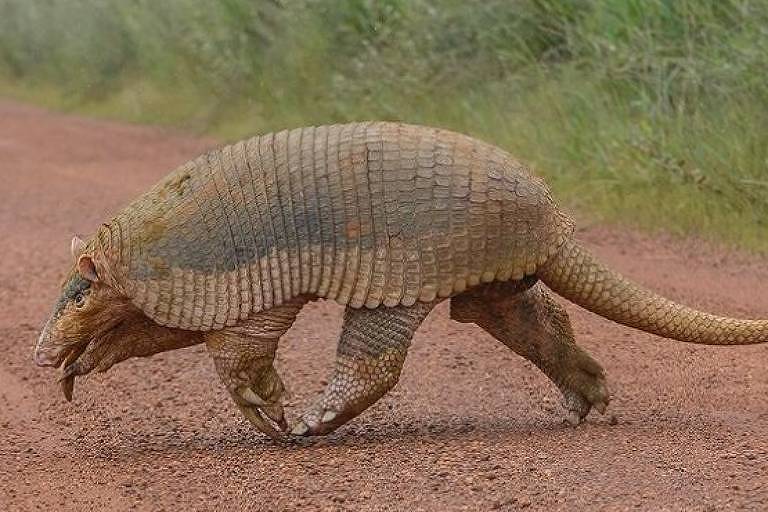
[364, 213]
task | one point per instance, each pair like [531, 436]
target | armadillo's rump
[364, 213]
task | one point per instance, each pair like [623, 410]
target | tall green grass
[647, 112]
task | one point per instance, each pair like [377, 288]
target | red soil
[471, 426]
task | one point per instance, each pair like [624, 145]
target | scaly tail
[576, 275]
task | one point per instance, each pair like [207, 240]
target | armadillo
[387, 219]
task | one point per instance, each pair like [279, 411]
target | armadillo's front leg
[369, 358]
[243, 356]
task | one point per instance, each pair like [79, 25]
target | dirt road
[470, 426]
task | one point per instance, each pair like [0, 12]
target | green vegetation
[650, 112]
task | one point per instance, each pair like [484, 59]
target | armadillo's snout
[45, 358]
[55, 355]
[42, 357]
[46, 355]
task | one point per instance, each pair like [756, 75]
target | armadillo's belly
[366, 214]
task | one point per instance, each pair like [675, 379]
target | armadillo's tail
[576, 275]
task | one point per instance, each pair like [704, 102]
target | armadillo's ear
[77, 247]
[87, 268]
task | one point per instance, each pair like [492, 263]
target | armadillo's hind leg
[369, 358]
[244, 356]
[532, 324]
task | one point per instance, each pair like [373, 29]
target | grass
[652, 113]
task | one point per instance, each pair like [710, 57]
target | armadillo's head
[87, 315]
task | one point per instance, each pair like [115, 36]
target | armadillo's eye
[79, 300]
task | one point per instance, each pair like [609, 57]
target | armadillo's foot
[369, 358]
[581, 381]
[261, 402]
[357, 383]
[243, 356]
[532, 324]
[318, 421]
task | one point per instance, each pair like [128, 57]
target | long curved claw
[275, 413]
[254, 415]
[271, 409]
[261, 412]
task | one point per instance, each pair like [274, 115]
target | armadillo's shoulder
[209, 244]
[172, 240]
